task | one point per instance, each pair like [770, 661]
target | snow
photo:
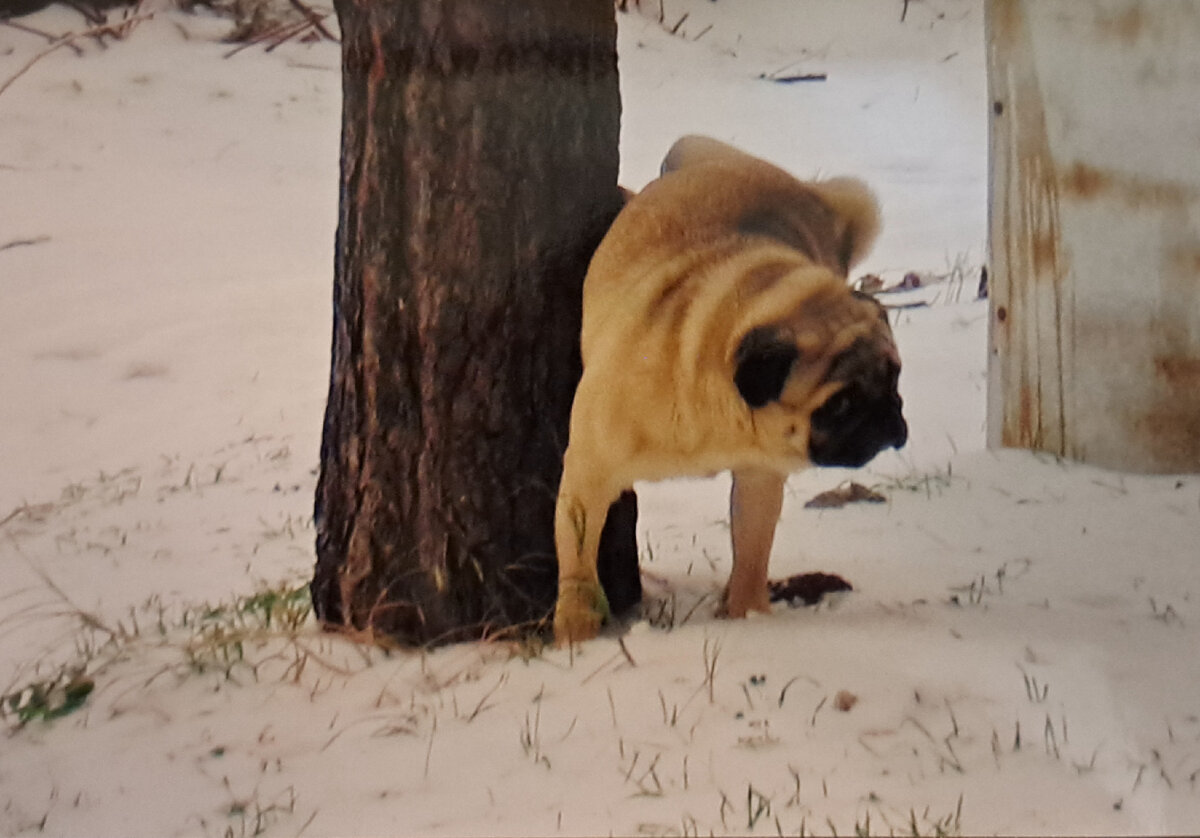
[1020, 641]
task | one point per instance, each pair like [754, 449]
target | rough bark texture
[479, 172]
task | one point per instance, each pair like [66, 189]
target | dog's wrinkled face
[861, 410]
[864, 416]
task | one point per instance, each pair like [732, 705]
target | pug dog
[720, 332]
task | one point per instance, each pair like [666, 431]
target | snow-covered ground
[1018, 655]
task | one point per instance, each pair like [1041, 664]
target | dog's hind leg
[754, 505]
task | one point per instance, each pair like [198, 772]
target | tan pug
[719, 332]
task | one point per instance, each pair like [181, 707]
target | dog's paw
[582, 608]
[736, 605]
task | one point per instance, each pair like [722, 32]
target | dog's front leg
[754, 505]
[578, 521]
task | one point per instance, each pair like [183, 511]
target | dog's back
[728, 193]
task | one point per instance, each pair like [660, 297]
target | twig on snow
[41, 33]
[315, 18]
[24, 242]
[12, 514]
[795, 78]
[278, 35]
[903, 306]
[117, 30]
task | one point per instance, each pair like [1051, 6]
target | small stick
[39, 32]
[67, 40]
[60, 42]
[256, 39]
[904, 306]
[798, 77]
[13, 514]
[313, 17]
[24, 242]
[284, 37]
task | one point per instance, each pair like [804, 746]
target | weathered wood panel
[1095, 230]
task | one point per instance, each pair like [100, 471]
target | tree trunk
[479, 172]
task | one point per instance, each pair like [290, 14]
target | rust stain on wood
[1125, 27]
[1171, 433]
[1086, 182]
[1186, 259]
[1044, 253]
[1089, 183]
[1179, 372]
[1025, 415]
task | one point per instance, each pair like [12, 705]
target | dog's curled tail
[858, 209]
[854, 205]
[693, 149]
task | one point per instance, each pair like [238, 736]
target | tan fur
[720, 244]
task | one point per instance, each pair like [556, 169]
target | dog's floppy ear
[763, 362]
[857, 214]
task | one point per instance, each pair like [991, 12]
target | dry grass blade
[482, 705]
[625, 652]
[89, 620]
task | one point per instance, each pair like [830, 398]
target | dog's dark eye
[840, 404]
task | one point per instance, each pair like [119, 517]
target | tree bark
[478, 174]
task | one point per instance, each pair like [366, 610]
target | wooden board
[1094, 348]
